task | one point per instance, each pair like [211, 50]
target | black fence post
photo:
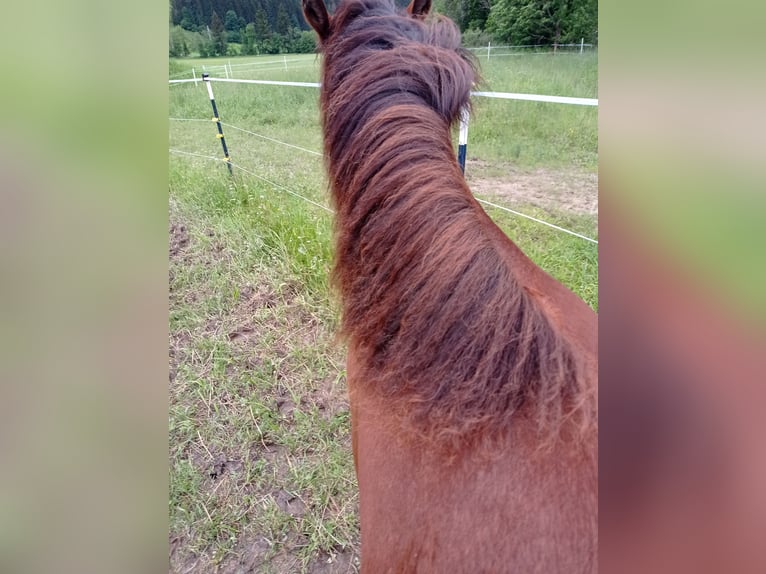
[217, 120]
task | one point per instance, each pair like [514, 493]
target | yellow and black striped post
[217, 120]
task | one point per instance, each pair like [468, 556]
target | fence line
[247, 171]
[182, 152]
[262, 82]
[528, 49]
[519, 54]
[281, 68]
[265, 66]
[484, 201]
[180, 74]
[272, 139]
[488, 50]
[502, 95]
[538, 98]
[283, 188]
[232, 126]
[554, 226]
[508, 47]
[266, 63]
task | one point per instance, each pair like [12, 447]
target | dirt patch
[340, 563]
[331, 397]
[179, 239]
[219, 467]
[252, 558]
[258, 297]
[260, 419]
[289, 503]
[259, 556]
[563, 190]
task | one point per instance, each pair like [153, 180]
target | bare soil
[570, 191]
[262, 308]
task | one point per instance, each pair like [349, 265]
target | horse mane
[437, 318]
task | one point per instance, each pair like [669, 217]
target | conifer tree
[219, 35]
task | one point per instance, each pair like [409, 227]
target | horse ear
[419, 7]
[316, 15]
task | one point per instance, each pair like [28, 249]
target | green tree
[451, 8]
[248, 40]
[178, 45]
[475, 13]
[188, 19]
[467, 14]
[475, 38]
[583, 22]
[261, 23]
[231, 24]
[205, 47]
[543, 21]
[219, 35]
[516, 21]
[283, 21]
[556, 21]
[305, 43]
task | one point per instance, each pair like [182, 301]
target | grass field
[261, 476]
[526, 133]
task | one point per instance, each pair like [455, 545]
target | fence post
[285, 59]
[463, 139]
[582, 43]
[217, 120]
[489, 47]
[194, 74]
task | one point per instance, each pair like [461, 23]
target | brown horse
[472, 373]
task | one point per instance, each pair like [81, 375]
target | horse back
[509, 506]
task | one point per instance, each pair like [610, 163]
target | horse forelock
[437, 317]
[368, 34]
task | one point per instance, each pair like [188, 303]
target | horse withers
[472, 373]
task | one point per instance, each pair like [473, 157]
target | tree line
[233, 27]
[523, 22]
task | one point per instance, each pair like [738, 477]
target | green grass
[562, 74]
[289, 67]
[526, 134]
[261, 474]
[534, 134]
[258, 411]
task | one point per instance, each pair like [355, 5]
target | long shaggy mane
[434, 312]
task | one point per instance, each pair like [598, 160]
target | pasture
[261, 475]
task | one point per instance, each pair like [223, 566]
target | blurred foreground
[83, 222]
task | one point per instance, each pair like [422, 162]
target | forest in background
[250, 27]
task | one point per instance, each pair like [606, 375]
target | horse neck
[401, 149]
[403, 152]
[391, 107]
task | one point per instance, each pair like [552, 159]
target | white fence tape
[502, 95]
